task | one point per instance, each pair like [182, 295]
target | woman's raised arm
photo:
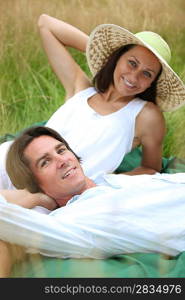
[56, 35]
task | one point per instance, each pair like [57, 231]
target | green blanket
[138, 265]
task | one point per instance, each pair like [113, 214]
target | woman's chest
[102, 107]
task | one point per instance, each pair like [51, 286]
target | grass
[29, 90]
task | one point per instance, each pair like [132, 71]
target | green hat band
[156, 43]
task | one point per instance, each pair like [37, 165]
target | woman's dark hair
[104, 77]
[17, 165]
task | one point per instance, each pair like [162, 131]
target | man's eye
[147, 74]
[132, 63]
[44, 163]
[61, 150]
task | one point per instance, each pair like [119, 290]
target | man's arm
[9, 253]
[27, 199]
[58, 237]
[5, 260]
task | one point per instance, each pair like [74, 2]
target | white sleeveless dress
[100, 140]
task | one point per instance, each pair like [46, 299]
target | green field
[29, 90]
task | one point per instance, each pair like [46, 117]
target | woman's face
[135, 71]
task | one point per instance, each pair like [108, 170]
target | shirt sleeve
[2, 199]
[5, 182]
[45, 234]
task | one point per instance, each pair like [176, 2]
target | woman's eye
[147, 74]
[132, 63]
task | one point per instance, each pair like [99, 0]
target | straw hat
[106, 38]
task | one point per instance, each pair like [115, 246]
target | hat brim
[106, 38]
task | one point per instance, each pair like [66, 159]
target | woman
[131, 76]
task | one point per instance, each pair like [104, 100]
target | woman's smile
[128, 83]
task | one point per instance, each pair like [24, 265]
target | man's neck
[88, 185]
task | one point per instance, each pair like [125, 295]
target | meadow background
[29, 90]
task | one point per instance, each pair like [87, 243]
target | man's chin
[62, 202]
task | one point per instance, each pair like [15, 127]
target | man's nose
[60, 161]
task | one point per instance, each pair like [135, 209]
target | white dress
[100, 140]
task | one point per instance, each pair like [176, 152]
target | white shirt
[122, 214]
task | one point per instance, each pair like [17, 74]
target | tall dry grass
[161, 16]
[30, 92]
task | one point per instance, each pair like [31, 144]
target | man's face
[56, 169]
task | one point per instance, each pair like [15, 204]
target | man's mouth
[68, 173]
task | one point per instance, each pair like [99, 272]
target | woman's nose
[134, 76]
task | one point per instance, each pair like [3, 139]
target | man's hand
[45, 201]
[28, 200]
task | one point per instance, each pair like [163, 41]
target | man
[114, 214]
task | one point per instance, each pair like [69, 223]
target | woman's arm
[150, 131]
[55, 36]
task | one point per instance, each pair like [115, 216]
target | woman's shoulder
[152, 110]
[151, 117]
